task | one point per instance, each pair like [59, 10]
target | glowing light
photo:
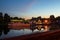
[16, 20]
[46, 21]
[46, 28]
[42, 28]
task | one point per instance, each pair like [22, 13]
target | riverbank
[19, 26]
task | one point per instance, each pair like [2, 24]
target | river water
[13, 33]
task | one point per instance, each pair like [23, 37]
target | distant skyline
[30, 8]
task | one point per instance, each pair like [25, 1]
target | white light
[42, 28]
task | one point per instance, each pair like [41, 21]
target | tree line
[4, 20]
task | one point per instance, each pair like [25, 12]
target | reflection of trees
[54, 24]
[1, 22]
[4, 23]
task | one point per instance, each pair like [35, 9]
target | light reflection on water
[39, 28]
[13, 33]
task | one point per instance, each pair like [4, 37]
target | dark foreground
[50, 35]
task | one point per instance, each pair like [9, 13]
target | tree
[1, 23]
[58, 20]
[1, 17]
[6, 22]
[11, 18]
[39, 17]
[6, 18]
[52, 19]
[33, 19]
[16, 18]
[53, 22]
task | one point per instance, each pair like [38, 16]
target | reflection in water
[13, 33]
[4, 20]
[4, 30]
[0, 32]
[42, 28]
[46, 28]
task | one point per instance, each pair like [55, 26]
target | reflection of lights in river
[42, 28]
[46, 28]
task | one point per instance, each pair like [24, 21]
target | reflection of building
[39, 27]
[40, 22]
[46, 28]
[43, 27]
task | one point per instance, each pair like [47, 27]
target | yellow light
[16, 20]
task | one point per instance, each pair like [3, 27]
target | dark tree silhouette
[16, 18]
[11, 18]
[54, 24]
[39, 17]
[52, 19]
[1, 23]
[58, 20]
[33, 19]
[6, 21]
[6, 18]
